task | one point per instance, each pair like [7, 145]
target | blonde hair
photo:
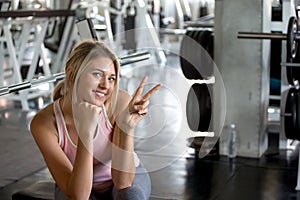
[80, 56]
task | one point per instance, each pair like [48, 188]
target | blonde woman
[86, 135]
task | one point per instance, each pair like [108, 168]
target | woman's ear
[69, 76]
[69, 72]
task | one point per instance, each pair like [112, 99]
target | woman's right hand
[137, 108]
[86, 118]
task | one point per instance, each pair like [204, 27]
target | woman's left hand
[137, 107]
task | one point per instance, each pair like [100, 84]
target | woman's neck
[66, 106]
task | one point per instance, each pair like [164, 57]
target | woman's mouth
[99, 94]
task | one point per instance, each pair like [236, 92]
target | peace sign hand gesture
[137, 107]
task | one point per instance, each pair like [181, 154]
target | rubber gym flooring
[175, 171]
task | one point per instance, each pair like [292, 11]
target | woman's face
[97, 82]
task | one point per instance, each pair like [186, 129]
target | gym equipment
[86, 29]
[199, 106]
[196, 47]
[144, 20]
[83, 9]
[191, 53]
[292, 109]
[125, 60]
[204, 22]
[37, 20]
[292, 115]
[292, 38]
[54, 43]
[129, 24]
[5, 5]
[291, 112]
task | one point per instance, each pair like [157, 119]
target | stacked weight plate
[292, 106]
[196, 57]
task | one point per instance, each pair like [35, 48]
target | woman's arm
[130, 112]
[75, 182]
[123, 166]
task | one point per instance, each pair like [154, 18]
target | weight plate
[204, 39]
[291, 43]
[291, 118]
[210, 46]
[207, 71]
[293, 73]
[199, 107]
[189, 59]
[197, 36]
[288, 119]
[194, 35]
[291, 51]
[194, 59]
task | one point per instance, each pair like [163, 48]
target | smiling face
[97, 81]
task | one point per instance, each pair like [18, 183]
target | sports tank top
[102, 145]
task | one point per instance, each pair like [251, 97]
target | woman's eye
[97, 74]
[111, 79]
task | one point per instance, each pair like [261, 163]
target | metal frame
[34, 24]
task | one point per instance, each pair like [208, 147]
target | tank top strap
[106, 117]
[59, 120]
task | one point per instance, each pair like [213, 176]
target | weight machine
[290, 93]
[28, 19]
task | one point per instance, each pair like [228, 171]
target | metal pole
[271, 36]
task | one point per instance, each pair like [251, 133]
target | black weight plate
[188, 32]
[196, 62]
[293, 73]
[205, 38]
[297, 133]
[194, 35]
[197, 36]
[210, 46]
[207, 67]
[188, 57]
[290, 118]
[204, 64]
[291, 43]
[199, 107]
[292, 48]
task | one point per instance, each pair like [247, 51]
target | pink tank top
[102, 145]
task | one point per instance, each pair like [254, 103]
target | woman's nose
[104, 82]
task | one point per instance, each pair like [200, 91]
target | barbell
[125, 60]
[292, 38]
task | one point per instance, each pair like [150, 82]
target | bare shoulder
[43, 121]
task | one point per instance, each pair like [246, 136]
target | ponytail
[59, 90]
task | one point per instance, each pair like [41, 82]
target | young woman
[86, 135]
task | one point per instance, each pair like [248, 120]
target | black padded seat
[42, 190]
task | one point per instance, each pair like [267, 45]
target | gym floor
[174, 174]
